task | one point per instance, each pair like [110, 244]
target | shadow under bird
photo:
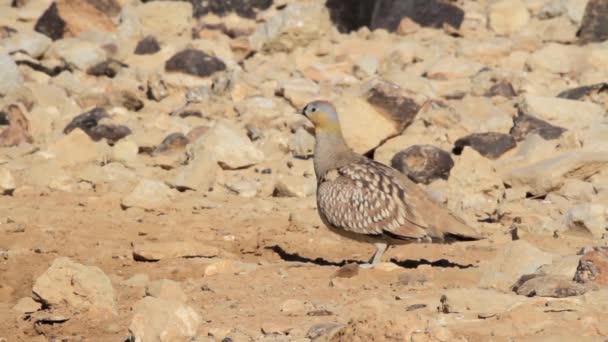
[365, 200]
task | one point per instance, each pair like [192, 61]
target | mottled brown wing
[363, 198]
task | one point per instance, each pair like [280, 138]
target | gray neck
[331, 152]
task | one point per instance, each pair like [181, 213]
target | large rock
[514, 260]
[297, 25]
[77, 53]
[154, 251]
[162, 320]
[557, 58]
[477, 301]
[550, 174]
[423, 163]
[392, 102]
[77, 148]
[80, 287]
[526, 124]
[594, 27]
[199, 174]
[593, 267]
[508, 16]
[489, 144]
[557, 286]
[162, 18]
[11, 77]
[32, 43]
[588, 219]
[562, 112]
[227, 146]
[149, 194]
[194, 62]
[69, 18]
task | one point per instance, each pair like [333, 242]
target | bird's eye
[313, 109]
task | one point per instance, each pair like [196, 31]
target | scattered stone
[514, 260]
[346, 271]
[423, 163]
[162, 320]
[298, 91]
[200, 173]
[125, 151]
[80, 287]
[564, 266]
[194, 62]
[556, 58]
[557, 286]
[32, 43]
[77, 53]
[11, 77]
[294, 186]
[450, 68]
[579, 93]
[245, 9]
[109, 68]
[172, 142]
[166, 289]
[68, 18]
[243, 188]
[149, 194]
[593, 267]
[27, 305]
[293, 307]
[477, 301]
[501, 88]
[526, 124]
[594, 27]
[7, 182]
[18, 130]
[491, 144]
[563, 112]
[321, 329]
[228, 267]
[275, 328]
[155, 251]
[147, 46]
[508, 16]
[50, 23]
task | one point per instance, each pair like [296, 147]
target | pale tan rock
[78, 53]
[125, 150]
[164, 18]
[166, 289]
[162, 320]
[27, 305]
[228, 267]
[80, 16]
[479, 301]
[12, 78]
[199, 174]
[451, 67]
[562, 112]
[293, 307]
[7, 182]
[154, 251]
[78, 286]
[557, 58]
[508, 16]
[77, 148]
[589, 219]
[149, 194]
[295, 186]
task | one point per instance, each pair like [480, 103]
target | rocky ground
[156, 183]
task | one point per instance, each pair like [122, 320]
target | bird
[365, 200]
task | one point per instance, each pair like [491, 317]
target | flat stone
[477, 301]
[33, 43]
[162, 18]
[137, 280]
[490, 144]
[89, 123]
[556, 58]
[594, 27]
[293, 307]
[294, 186]
[392, 102]
[27, 305]
[76, 52]
[147, 46]
[228, 267]
[508, 16]
[162, 320]
[194, 62]
[77, 148]
[593, 267]
[557, 286]
[526, 124]
[80, 287]
[148, 194]
[155, 251]
[423, 163]
[166, 289]
[11, 77]
[346, 271]
[7, 182]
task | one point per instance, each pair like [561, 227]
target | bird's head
[323, 116]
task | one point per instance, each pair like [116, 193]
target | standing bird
[368, 201]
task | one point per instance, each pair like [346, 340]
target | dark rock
[594, 27]
[147, 46]
[584, 91]
[501, 88]
[541, 285]
[107, 68]
[194, 62]
[36, 65]
[173, 141]
[130, 101]
[593, 267]
[524, 124]
[346, 271]
[490, 144]
[244, 8]
[4, 119]
[109, 7]
[89, 123]
[423, 163]
[388, 99]
[387, 14]
[50, 23]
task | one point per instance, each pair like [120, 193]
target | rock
[69, 18]
[450, 68]
[372, 328]
[125, 151]
[346, 271]
[407, 26]
[89, 123]
[174, 142]
[321, 329]
[149, 194]
[393, 103]
[550, 174]
[423, 163]
[246, 9]
[258, 108]
[77, 53]
[556, 58]
[514, 260]
[557, 286]
[298, 91]
[275, 328]
[491, 144]
[162, 18]
[295, 26]
[501, 88]
[27, 305]
[583, 92]
[147, 46]
[577, 190]
[595, 22]
[80, 287]
[243, 188]
[11, 77]
[137, 280]
[7, 182]
[477, 301]
[228, 146]
[32, 43]
[565, 113]
[302, 144]
[366, 66]
[475, 113]
[166, 289]
[228, 267]
[526, 124]
[593, 267]
[109, 68]
[508, 16]
[77, 148]
[161, 320]
[589, 219]
[194, 62]
[293, 307]
[294, 186]
[154, 251]
[199, 174]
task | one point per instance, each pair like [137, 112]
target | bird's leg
[377, 257]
